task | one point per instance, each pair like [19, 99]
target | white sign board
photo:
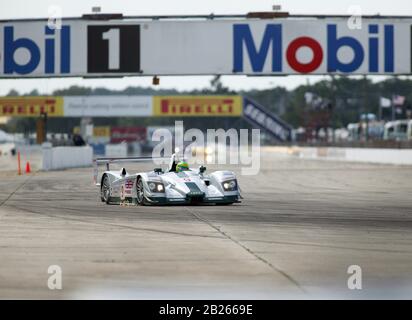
[108, 106]
[243, 46]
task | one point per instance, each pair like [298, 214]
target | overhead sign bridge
[257, 44]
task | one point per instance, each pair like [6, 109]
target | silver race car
[177, 185]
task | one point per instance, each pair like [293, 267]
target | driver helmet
[182, 166]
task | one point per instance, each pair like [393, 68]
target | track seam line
[57, 216]
[227, 236]
[17, 189]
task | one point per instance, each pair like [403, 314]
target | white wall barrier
[5, 148]
[66, 157]
[390, 156]
[366, 155]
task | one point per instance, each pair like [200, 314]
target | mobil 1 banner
[278, 47]
[89, 48]
[259, 116]
[76, 48]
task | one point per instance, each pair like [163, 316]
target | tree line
[347, 98]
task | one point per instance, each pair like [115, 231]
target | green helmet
[182, 166]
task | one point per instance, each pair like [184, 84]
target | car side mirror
[202, 169]
[158, 170]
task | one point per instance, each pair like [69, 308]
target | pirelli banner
[123, 106]
[198, 106]
[92, 48]
[31, 106]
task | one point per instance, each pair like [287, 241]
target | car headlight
[156, 187]
[230, 185]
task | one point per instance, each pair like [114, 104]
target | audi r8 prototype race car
[177, 185]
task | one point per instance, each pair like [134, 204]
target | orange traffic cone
[28, 167]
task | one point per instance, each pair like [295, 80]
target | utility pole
[364, 102]
[41, 128]
[334, 101]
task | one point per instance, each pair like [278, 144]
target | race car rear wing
[108, 161]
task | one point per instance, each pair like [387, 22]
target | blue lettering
[11, 46]
[335, 43]
[373, 49]
[272, 35]
[65, 50]
[389, 49]
[49, 63]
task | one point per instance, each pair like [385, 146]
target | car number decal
[129, 184]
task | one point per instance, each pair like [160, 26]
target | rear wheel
[140, 192]
[105, 190]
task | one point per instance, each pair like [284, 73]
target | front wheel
[140, 192]
[105, 190]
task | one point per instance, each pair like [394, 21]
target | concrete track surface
[302, 223]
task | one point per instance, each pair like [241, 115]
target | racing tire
[140, 200]
[105, 190]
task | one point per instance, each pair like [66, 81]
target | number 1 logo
[113, 49]
[113, 36]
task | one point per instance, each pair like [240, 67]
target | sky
[39, 9]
